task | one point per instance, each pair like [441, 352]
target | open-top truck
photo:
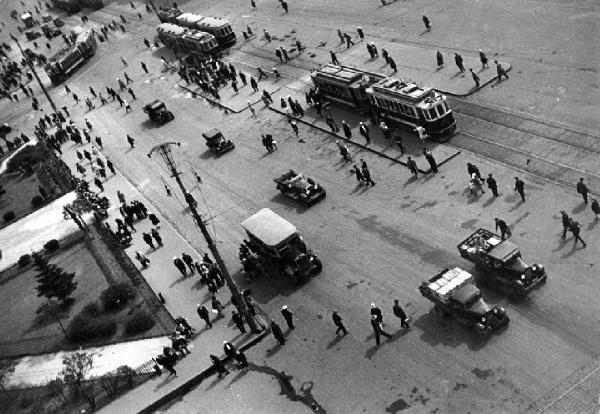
[277, 243]
[453, 293]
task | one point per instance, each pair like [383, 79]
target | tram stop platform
[419, 64]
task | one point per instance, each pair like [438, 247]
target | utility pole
[165, 152]
[35, 74]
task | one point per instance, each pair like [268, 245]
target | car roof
[269, 227]
[465, 292]
[155, 104]
[211, 134]
[503, 250]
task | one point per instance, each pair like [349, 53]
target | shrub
[51, 245]
[9, 216]
[116, 296]
[24, 260]
[31, 154]
[84, 327]
[91, 309]
[140, 321]
[37, 201]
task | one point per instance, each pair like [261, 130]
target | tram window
[447, 109]
[432, 113]
[405, 109]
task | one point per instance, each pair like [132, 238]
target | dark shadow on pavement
[335, 341]
[272, 351]
[581, 207]
[166, 381]
[489, 202]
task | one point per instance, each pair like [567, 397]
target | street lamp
[165, 152]
[35, 74]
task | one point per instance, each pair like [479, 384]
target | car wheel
[319, 265]
[484, 333]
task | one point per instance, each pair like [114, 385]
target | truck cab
[277, 242]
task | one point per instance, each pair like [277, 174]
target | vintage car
[32, 35]
[277, 243]
[297, 186]
[216, 142]
[453, 293]
[157, 111]
[46, 18]
[4, 129]
[50, 32]
[500, 262]
[58, 22]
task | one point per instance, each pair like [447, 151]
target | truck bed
[442, 286]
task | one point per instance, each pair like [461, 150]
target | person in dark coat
[148, 239]
[483, 58]
[472, 169]
[475, 78]
[358, 173]
[430, 160]
[204, 315]
[156, 236]
[154, 220]
[459, 62]
[399, 313]
[378, 329]
[219, 365]
[520, 188]
[288, 316]
[492, 185]
[427, 23]
[583, 190]
[337, 321]
[240, 358]
[180, 265]
[238, 321]
[216, 305]
[347, 130]
[575, 228]
[440, 59]
[110, 166]
[364, 131]
[412, 166]
[595, 208]
[229, 349]
[504, 230]
[187, 259]
[566, 222]
[277, 332]
[367, 175]
[375, 311]
[99, 184]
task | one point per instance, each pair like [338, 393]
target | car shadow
[438, 330]
[289, 203]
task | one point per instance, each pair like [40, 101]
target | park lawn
[19, 192]
[22, 332]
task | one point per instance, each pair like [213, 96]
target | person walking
[347, 130]
[500, 71]
[492, 185]
[294, 127]
[187, 259]
[144, 261]
[364, 131]
[412, 166]
[520, 188]
[284, 5]
[595, 208]
[288, 316]
[575, 228]
[429, 157]
[358, 173]
[124, 62]
[440, 59]
[583, 190]
[475, 77]
[459, 62]
[241, 360]
[378, 329]
[375, 311]
[219, 366]
[110, 166]
[144, 67]
[366, 174]
[99, 142]
[179, 264]
[148, 240]
[484, 60]
[254, 84]
[131, 141]
[385, 55]
[278, 54]
[348, 40]
[392, 63]
[229, 349]
[504, 230]
[566, 222]
[238, 321]
[399, 313]
[427, 23]
[156, 236]
[334, 58]
[130, 91]
[277, 332]
[127, 78]
[99, 184]
[204, 315]
[242, 76]
[337, 321]
[344, 151]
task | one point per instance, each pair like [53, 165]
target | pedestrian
[344, 151]
[566, 222]
[128, 219]
[243, 78]
[472, 169]
[583, 190]
[504, 230]
[421, 132]
[520, 188]
[131, 93]
[475, 77]
[204, 315]
[294, 127]
[278, 54]
[392, 63]
[127, 107]
[67, 89]
[492, 185]
[110, 166]
[500, 71]
[131, 141]
[75, 97]
[99, 142]
[252, 110]
[364, 131]
[219, 366]
[285, 54]
[347, 130]
[384, 129]
[187, 259]
[412, 166]
[267, 35]
[99, 184]
[234, 86]
[429, 157]
[399, 312]
[277, 332]
[229, 349]
[254, 84]
[238, 321]
[206, 259]
[484, 60]
[378, 329]
[142, 259]
[144, 67]
[299, 46]
[217, 306]
[242, 361]
[358, 173]
[337, 321]
[340, 35]
[360, 32]
[177, 262]
[93, 92]
[375, 311]
[127, 78]
[348, 40]
[366, 174]
[595, 208]
[124, 62]
[288, 316]
[277, 74]
[427, 23]
[440, 59]
[370, 50]
[398, 140]
[284, 5]
[253, 3]
[334, 59]
[79, 155]
[267, 96]
[459, 62]
[261, 74]
[156, 236]
[575, 228]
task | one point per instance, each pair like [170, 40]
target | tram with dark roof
[219, 28]
[187, 40]
[400, 101]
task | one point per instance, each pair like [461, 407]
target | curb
[188, 385]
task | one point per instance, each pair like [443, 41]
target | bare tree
[76, 366]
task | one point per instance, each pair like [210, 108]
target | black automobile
[157, 111]
[500, 262]
[32, 35]
[217, 142]
[4, 130]
[50, 32]
[301, 188]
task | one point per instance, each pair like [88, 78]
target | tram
[400, 101]
[219, 28]
[187, 40]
